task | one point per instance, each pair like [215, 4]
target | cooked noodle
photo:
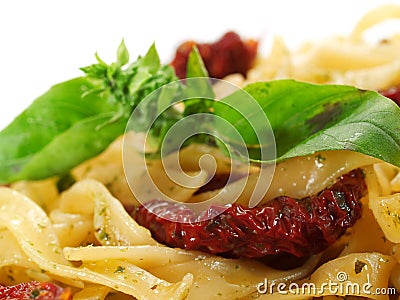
[85, 238]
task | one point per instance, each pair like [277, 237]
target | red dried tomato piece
[230, 54]
[392, 93]
[283, 225]
[35, 290]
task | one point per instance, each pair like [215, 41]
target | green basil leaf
[46, 118]
[195, 65]
[77, 119]
[80, 142]
[151, 61]
[122, 54]
[307, 118]
[200, 86]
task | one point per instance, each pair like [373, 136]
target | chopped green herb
[35, 293]
[358, 266]
[103, 235]
[120, 269]
[41, 226]
[103, 211]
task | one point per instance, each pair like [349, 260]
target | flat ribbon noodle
[30, 224]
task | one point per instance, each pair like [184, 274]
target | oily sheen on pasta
[85, 238]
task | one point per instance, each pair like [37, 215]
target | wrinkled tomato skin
[392, 93]
[283, 225]
[230, 54]
[35, 290]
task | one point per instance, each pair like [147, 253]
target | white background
[44, 42]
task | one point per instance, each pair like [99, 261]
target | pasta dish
[304, 204]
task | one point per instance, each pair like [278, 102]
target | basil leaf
[200, 86]
[195, 65]
[151, 61]
[80, 142]
[47, 117]
[307, 118]
[122, 54]
[77, 119]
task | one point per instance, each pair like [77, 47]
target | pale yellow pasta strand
[385, 173]
[387, 212]
[33, 230]
[360, 268]
[92, 292]
[110, 169]
[396, 252]
[278, 64]
[343, 60]
[395, 183]
[386, 208]
[43, 192]
[298, 177]
[112, 224]
[189, 158]
[356, 274]
[19, 215]
[395, 275]
[129, 279]
[142, 256]
[373, 17]
[11, 275]
[367, 235]
[212, 275]
[105, 167]
[30, 224]
[11, 253]
[340, 54]
[72, 229]
[221, 278]
[159, 184]
[380, 77]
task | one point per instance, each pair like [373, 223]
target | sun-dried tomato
[35, 290]
[230, 54]
[392, 93]
[283, 225]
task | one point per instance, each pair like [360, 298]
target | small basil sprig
[161, 106]
[126, 85]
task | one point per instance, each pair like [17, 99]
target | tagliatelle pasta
[126, 255]
[341, 59]
[85, 238]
